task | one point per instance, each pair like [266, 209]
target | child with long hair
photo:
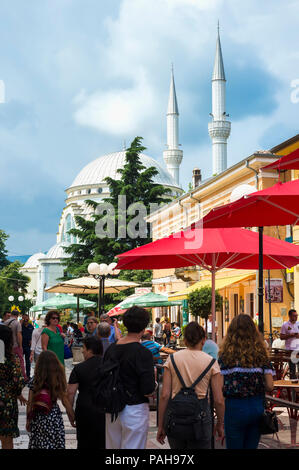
[44, 417]
[247, 372]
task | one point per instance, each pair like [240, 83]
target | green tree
[200, 302]
[3, 251]
[136, 184]
[13, 283]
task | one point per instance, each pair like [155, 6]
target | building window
[236, 305]
[100, 190]
[251, 305]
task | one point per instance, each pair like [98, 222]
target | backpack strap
[177, 371]
[198, 379]
[203, 373]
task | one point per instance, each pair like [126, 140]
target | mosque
[45, 269]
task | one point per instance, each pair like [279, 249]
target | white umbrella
[90, 285]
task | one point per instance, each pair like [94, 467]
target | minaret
[219, 128]
[173, 155]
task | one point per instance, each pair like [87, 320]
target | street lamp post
[100, 272]
[11, 298]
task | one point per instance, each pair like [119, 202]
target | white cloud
[117, 111]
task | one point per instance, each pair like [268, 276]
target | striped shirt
[154, 349]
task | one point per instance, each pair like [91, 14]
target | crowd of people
[121, 370]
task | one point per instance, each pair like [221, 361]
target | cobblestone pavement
[267, 442]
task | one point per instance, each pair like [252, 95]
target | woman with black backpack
[188, 374]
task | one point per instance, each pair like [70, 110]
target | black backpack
[109, 393]
[188, 417]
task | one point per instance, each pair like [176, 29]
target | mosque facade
[45, 269]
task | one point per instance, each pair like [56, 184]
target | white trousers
[130, 429]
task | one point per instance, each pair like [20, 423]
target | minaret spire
[173, 155]
[219, 128]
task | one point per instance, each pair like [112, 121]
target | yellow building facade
[237, 287]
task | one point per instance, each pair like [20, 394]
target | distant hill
[22, 258]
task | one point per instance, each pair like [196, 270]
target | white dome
[107, 165]
[241, 191]
[33, 262]
[57, 251]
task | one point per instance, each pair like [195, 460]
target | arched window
[68, 226]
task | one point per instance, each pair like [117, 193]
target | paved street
[267, 442]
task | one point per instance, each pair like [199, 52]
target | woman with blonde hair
[247, 372]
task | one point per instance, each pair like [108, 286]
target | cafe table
[291, 390]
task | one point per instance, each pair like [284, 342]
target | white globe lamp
[93, 269]
[103, 269]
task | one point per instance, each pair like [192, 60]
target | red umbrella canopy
[278, 205]
[288, 162]
[213, 249]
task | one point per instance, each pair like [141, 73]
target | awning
[220, 284]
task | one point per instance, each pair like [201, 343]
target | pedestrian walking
[27, 331]
[104, 332]
[91, 326]
[11, 386]
[158, 331]
[52, 338]
[44, 418]
[115, 334]
[6, 316]
[290, 334]
[130, 429]
[166, 332]
[77, 335]
[16, 328]
[248, 374]
[36, 343]
[209, 327]
[211, 348]
[90, 421]
[86, 317]
[188, 366]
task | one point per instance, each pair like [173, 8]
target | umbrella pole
[78, 308]
[213, 305]
[261, 282]
[270, 312]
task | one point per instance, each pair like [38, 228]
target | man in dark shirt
[27, 330]
[90, 421]
[130, 429]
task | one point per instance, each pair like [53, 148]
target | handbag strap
[198, 379]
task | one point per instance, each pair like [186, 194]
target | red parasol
[277, 205]
[213, 249]
[288, 162]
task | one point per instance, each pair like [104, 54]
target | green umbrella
[61, 301]
[151, 300]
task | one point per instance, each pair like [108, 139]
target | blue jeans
[241, 422]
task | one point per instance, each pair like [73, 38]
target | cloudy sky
[82, 76]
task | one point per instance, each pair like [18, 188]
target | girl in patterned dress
[44, 417]
[11, 385]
